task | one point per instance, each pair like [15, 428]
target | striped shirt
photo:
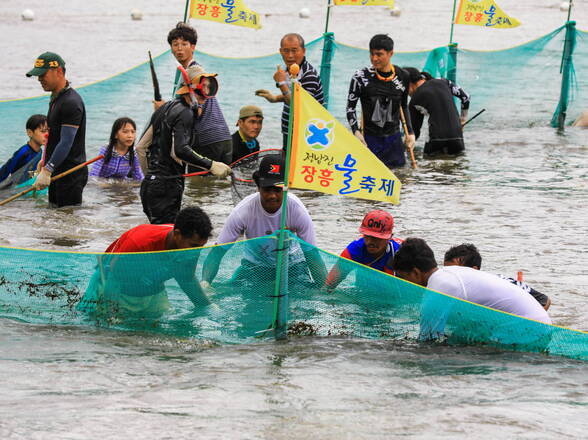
[311, 82]
[211, 126]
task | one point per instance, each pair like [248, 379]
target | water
[520, 194]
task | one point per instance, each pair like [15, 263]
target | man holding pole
[66, 145]
[382, 89]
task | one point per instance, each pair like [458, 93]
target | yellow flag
[225, 11]
[326, 157]
[484, 13]
[364, 3]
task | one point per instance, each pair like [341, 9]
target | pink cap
[377, 224]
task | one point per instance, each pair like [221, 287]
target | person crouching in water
[375, 249]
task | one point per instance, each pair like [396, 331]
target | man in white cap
[245, 138]
[165, 149]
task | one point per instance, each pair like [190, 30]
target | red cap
[377, 224]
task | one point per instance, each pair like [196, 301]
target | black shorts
[161, 199]
[68, 190]
[450, 146]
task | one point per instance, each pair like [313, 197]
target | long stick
[156, 92]
[473, 117]
[53, 179]
[405, 128]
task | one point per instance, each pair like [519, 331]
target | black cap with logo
[270, 172]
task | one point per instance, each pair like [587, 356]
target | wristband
[281, 83]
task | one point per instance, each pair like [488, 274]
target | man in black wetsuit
[382, 89]
[66, 145]
[165, 149]
[434, 98]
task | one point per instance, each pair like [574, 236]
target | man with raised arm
[293, 52]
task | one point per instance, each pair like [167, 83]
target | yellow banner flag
[225, 11]
[484, 13]
[327, 157]
[364, 3]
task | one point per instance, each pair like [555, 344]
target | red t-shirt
[142, 238]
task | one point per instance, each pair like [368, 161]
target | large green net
[520, 86]
[128, 292]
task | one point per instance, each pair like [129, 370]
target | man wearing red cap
[375, 249]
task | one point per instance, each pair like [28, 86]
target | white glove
[43, 179]
[410, 141]
[359, 136]
[220, 169]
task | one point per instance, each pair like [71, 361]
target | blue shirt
[357, 251]
[20, 158]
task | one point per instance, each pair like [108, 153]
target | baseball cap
[250, 110]
[377, 224]
[44, 62]
[270, 172]
[196, 74]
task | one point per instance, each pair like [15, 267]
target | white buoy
[304, 13]
[136, 14]
[28, 15]
[395, 11]
[564, 6]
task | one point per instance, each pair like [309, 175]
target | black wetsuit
[169, 153]
[242, 148]
[381, 95]
[67, 108]
[434, 98]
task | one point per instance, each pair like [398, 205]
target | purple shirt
[118, 167]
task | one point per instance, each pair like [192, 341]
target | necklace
[384, 78]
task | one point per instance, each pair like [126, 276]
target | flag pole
[452, 22]
[571, 4]
[186, 11]
[328, 14]
[280, 324]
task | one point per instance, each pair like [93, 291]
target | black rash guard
[434, 98]
[380, 101]
[173, 135]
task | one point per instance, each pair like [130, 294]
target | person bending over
[133, 285]
[467, 255]
[259, 215]
[375, 249]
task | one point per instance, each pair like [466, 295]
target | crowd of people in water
[189, 133]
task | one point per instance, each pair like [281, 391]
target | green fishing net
[139, 292]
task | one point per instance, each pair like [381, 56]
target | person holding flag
[382, 89]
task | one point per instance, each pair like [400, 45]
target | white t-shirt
[486, 289]
[250, 219]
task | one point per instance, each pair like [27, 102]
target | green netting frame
[520, 86]
[78, 288]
